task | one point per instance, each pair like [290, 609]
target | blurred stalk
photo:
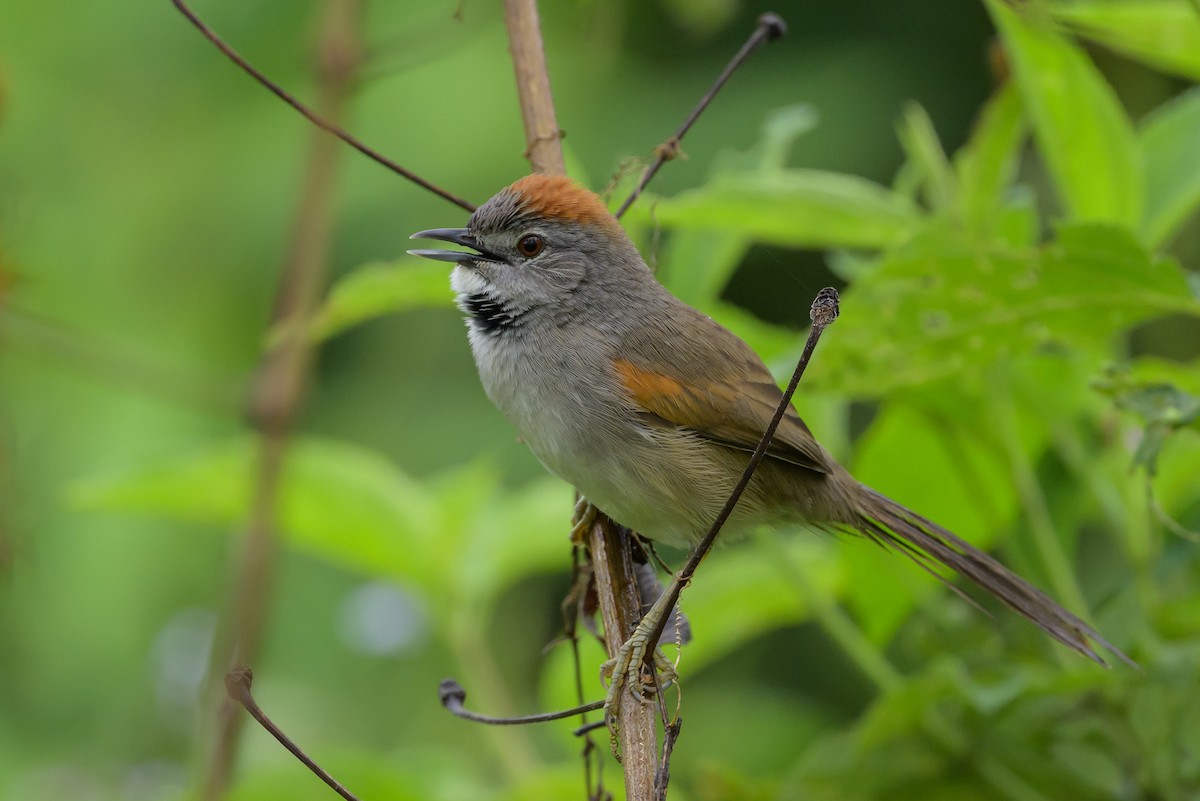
[1126, 518]
[837, 625]
[278, 392]
[512, 744]
[952, 432]
[1070, 449]
[8, 496]
[7, 279]
[1033, 501]
[117, 363]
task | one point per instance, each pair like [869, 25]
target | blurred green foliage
[1016, 358]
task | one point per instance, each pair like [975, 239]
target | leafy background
[1006, 194]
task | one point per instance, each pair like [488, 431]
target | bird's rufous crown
[557, 197]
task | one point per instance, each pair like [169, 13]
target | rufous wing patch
[699, 409]
[651, 391]
[727, 414]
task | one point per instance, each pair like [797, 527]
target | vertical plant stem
[1037, 511]
[278, 392]
[621, 609]
[612, 557]
[1070, 449]
[8, 545]
[1125, 516]
[512, 744]
[542, 135]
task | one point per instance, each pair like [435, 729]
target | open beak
[459, 236]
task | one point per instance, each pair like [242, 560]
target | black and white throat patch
[486, 311]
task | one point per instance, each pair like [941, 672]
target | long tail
[894, 526]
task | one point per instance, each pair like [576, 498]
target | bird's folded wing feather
[731, 406]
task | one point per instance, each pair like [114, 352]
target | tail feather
[922, 540]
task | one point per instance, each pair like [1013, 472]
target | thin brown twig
[542, 134]
[320, 120]
[769, 28]
[238, 683]
[453, 697]
[663, 778]
[281, 382]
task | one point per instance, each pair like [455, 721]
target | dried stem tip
[773, 24]
[825, 307]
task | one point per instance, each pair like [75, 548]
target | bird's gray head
[542, 247]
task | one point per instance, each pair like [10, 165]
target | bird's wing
[716, 387]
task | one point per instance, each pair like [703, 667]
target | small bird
[650, 408]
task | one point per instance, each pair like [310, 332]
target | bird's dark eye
[530, 245]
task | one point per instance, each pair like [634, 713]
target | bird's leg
[625, 669]
[584, 516]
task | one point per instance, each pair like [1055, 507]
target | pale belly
[579, 427]
[667, 484]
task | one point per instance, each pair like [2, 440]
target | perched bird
[650, 408]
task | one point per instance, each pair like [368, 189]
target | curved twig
[452, 695]
[310, 115]
[770, 27]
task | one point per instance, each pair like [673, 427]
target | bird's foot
[584, 516]
[625, 670]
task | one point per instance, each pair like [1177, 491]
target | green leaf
[942, 307]
[380, 288]
[988, 162]
[1170, 145]
[697, 264]
[1152, 711]
[344, 503]
[1161, 403]
[925, 154]
[369, 776]
[510, 533]
[1163, 408]
[795, 208]
[1081, 130]
[962, 484]
[701, 19]
[762, 581]
[781, 128]
[1091, 765]
[1015, 223]
[352, 507]
[891, 736]
[1164, 34]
